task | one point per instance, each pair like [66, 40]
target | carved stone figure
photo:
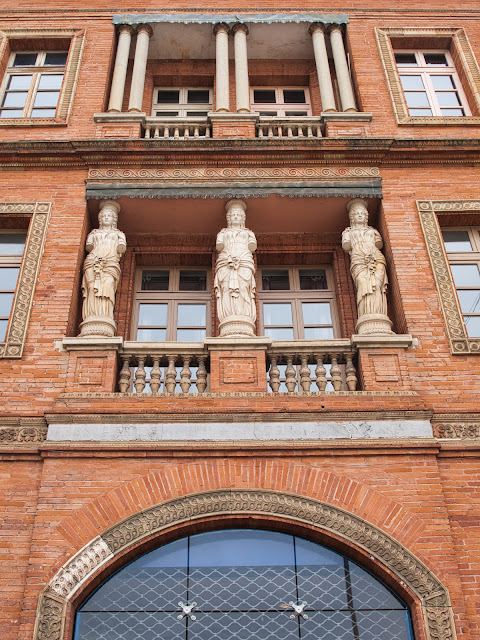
[235, 274]
[101, 272]
[368, 269]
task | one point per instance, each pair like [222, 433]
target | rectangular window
[182, 102]
[281, 101]
[11, 251]
[32, 84]
[463, 250]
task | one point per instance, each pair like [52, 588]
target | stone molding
[458, 426]
[469, 67]
[27, 278]
[458, 339]
[65, 101]
[14, 431]
[238, 394]
[432, 595]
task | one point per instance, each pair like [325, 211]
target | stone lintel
[395, 341]
[92, 343]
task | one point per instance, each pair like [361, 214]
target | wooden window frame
[183, 105]
[11, 261]
[279, 105]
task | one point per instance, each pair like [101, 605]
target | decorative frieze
[457, 426]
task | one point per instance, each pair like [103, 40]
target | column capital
[145, 28]
[316, 26]
[240, 27]
[221, 26]
[331, 28]
[125, 28]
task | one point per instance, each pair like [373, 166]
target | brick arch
[175, 481]
[431, 594]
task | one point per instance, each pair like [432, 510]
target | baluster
[320, 372]
[290, 375]
[270, 132]
[140, 376]
[289, 132]
[196, 132]
[319, 132]
[125, 374]
[147, 132]
[176, 133]
[186, 133]
[155, 375]
[274, 374]
[305, 373]
[350, 372]
[171, 375]
[260, 131]
[207, 132]
[309, 131]
[335, 372]
[201, 374]
[300, 131]
[280, 131]
[166, 132]
[185, 374]
[156, 132]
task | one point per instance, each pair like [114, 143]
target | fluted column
[125, 32]
[240, 32]
[144, 33]
[222, 89]
[317, 32]
[344, 81]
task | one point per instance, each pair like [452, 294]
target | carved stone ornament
[463, 430]
[101, 272]
[408, 569]
[15, 435]
[27, 278]
[369, 271]
[235, 274]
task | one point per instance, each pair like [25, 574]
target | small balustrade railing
[163, 368]
[300, 127]
[306, 366]
[176, 128]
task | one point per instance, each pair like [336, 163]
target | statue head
[236, 213]
[358, 212]
[108, 214]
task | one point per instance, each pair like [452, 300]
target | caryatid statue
[235, 274]
[101, 272]
[368, 269]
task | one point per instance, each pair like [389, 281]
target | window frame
[11, 261]
[183, 105]
[279, 105]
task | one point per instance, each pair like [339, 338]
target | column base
[237, 326]
[97, 326]
[374, 324]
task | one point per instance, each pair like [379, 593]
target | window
[463, 249]
[430, 84]
[32, 84]
[182, 102]
[172, 304]
[297, 303]
[11, 252]
[243, 584]
[281, 101]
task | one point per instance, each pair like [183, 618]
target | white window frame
[11, 261]
[426, 72]
[180, 110]
[279, 105]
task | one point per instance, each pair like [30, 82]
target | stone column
[317, 32]
[222, 92]
[240, 32]
[345, 88]
[125, 32]
[144, 32]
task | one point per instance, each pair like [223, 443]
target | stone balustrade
[289, 128]
[304, 366]
[176, 128]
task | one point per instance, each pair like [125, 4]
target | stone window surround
[428, 211]
[39, 212]
[469, 71]
[65, 101]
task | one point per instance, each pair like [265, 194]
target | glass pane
[448, 99]
[268, 113]
[318, 333]
[294, 96]
[14, 113]
[15, 99]
[416, 99]
[334, 625]
[168, 96]
[277, 313]
[420, 112]
[151, 335]
[469, 300]
[193, 281]
[153, 314]
[442, 83]
[129, 625]
[296, 113]
[435, 59]
[191, 335]
[166, 114]
[46, 99]
[11, 244]
[50, 81]
[473, 326]
[412, 82]
[19, 82]
[266, 96]
[8, 278]
[466, 275]
[58, 59]
[279, 334]
[453, 112]
[275, 280]
[316, 313]
[43, 113]
[198, 96]
[388, 625]
[6, 300]
[192, 315]
[406, 60]
[153, 280]
[313, 279]
[25, 59]
[370, 593]
[456, 241]
[3, 329]
[197, 114]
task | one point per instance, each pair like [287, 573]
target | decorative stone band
[458, 430]
[230, 18]
[409, 570]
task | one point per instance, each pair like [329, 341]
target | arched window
[243, 585]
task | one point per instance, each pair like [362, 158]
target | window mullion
[431, 95]
[32, 92]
